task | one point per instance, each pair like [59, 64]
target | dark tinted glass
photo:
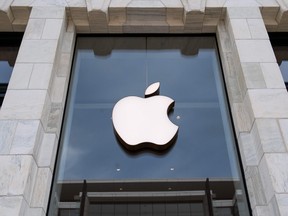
[107, 69]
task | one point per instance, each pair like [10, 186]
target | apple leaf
[152, 89]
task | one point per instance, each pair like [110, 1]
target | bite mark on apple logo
[143, 122]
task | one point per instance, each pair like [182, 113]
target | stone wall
[32, 112]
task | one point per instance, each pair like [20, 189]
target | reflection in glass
[106, 70]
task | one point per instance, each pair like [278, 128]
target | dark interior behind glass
[9, 46]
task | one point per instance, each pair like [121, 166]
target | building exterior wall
[32, 111]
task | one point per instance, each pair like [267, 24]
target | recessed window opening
[198, 175]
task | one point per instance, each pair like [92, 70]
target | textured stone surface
[42, 188]
[255, 51]
[41, 76]
[37, 51]
[26, 138]
[269, 103]
[23, 104]
[12, 205]
[21, 76]
[30, 123]
[14, 174]
[272, 75]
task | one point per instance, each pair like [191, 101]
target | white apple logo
[143, 122]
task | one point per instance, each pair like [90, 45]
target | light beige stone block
[215, 3]
[14, 174]
[68, 42]
[115, 27]
[119, 4]
[12, 205]
[223, 38]
[97, 5]
[21, 76]
[23, 104]
[35, 212]
[21, 3]
[148, 27]
[243, 12]
[141, 4]
[209, 29]
[82, 26]
[19, 25]
[6, 27]
[248, 151]
[253, 75]
[27, 136]
[21, 12]
[138, 10]
[266, 179]
[34, 29]
[273, 207]
[194, 5]
[7, 130]
[47, 12]
[282, 201]
[261, 211]
[175, 14]
[30, 181]
[41, 76]
[243, 114]
[175, 26]
[251, 192]
[172, 3]
[243, 3]
[240, 28]
[37, 51]
[58, 89]
[52, 28]
[41, 188]
[210, 23]
[271, 25]
[257, 29]
[76, 3]
[277, 165]
[78, 13]
[272, 75]
[284, 129]
[269, 103]
[55, 118]
[5, 5]
[64, 66]
[255, 51]
[270, 135]
[257, 187]
[47, 150]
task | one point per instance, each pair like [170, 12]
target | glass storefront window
[198, 175]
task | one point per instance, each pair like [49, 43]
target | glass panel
[107, 69]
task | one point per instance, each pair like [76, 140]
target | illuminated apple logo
[143, 122]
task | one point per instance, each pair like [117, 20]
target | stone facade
[32, 112]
